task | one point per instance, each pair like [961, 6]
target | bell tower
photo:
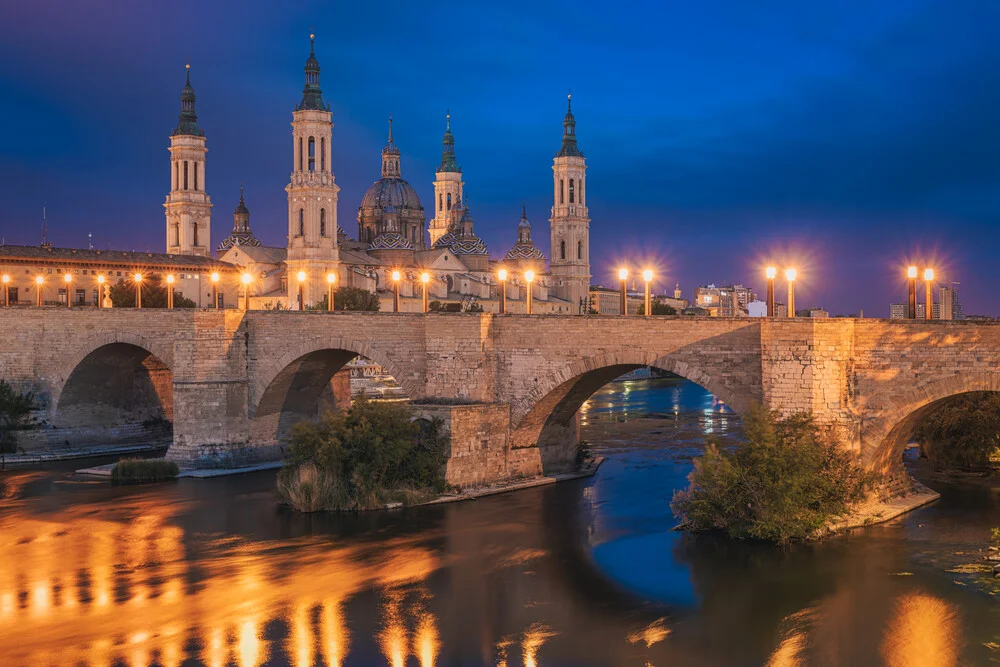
[447, 186]
[188, 207]
[570, 223]
[312, 193]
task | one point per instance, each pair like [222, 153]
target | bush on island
[137, 471]
[362, 458]
[15, 415]
[786, 481]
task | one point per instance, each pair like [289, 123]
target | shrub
[154, 294]
[357, 458]
[354, 298]
[658, 308]
[15, 414]
[789, 479]
[962, 432]
[137, 471]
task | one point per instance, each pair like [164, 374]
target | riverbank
[877, 511]
[73, 453]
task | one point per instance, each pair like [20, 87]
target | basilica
[391, 234]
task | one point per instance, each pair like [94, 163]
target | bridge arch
[296, 385]
[546, 418]
[884, 439]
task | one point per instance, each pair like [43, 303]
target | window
[177, 233]
[562, 250]
[302, 222]
[562, 191]
[194, 227]
[177, 174]
[572, 191]
[97, 297]
[322, 154]
[322, 222]
[449, 201]
[62, 295]
[12, 291]
[312, 154]
[440, 201]
[195, 175]
[300, 153]
[81, 297]
[185, 175]
[579, 249]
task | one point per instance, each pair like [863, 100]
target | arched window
[195, 175]
[195, 226]
[322, 222]
[177, 233]
[185, 175]
[177, 176]
[572, 191]
[579, 249]
[302, 222]
[312, 154]
[300, 153]
[440, 201]
[322, 154]
[449, 201]
[562, 191]
[580, 193]
[562, 250]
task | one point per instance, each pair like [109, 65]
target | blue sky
[847, 138]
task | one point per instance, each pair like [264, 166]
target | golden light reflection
[923, 632]
[249, 648]
[427, 641]
[216, 650]
[534, 637]
[336, 639]
[653, 633]
[393, 638]
[789, 652]
[300, 640]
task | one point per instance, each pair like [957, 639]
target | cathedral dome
[446, 240]
[390, 241]
[469, 246]
[391, 191]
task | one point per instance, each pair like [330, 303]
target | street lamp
[929, 308]
[215, 289]
[529, 277]
[770, 272]
[623, 276]
[246, 279]
[502, 276]
[39, 281]
[911, 273]
[170, 290]
[647, 277]
[790, 275]
[424, 279]
[331, 280]
[138, 290]
[396, 276]
[67, 278]
[100, 291]
[6, 290]
[302, 278]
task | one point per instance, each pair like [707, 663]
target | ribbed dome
[391, 192]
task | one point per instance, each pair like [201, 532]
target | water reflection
[198, 573]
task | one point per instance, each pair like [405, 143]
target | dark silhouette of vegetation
[154, 294]
[15, 415]
[474, 308]
[658, 308]
[355, 298]
[963, 432]
[362, 458]
[789, 479]
[138, 471]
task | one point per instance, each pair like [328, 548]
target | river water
[213, 572]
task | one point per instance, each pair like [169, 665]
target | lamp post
[100, 291]
[246, 279]
[623, 277]
[138, 289]
[331, 281]
[424, 279]
[529, 277]
[39, 281]
[929, 308]
[911, 273]
[170, 290]
[396, 276]
[770, 272]
[790, 275]
[502, 276]
[302, 278]
[647, 277]
[215, 289]
[67, 278]
[6, 290]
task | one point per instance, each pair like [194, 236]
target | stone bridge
[508, 387]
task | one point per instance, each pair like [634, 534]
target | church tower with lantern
[447, 187]
[570, 223]
[188, 207]
[312, 194]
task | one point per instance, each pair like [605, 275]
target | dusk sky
[846, 138]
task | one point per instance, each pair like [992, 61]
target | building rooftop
[30, 254]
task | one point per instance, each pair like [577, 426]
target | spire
[312, 96]
[188, 122]
[242, 234]
[524, 227]
[390, 156]
[448, 154]
[569, 147]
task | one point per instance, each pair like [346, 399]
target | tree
[789, 479]
[435, 306]
[962, 431]
[474, 308]
[354, 298]
[154, 294]
[15, 414]
[658, 308]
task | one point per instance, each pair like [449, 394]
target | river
[213, 572]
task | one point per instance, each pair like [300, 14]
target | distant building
[726, 301]
[817, 312]
[951, 306]
[899, 311]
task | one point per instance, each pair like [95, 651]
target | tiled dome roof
[469, 246]
[445, 241]
[525, 251]
[390, 241]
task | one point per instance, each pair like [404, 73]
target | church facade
[393, 233]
